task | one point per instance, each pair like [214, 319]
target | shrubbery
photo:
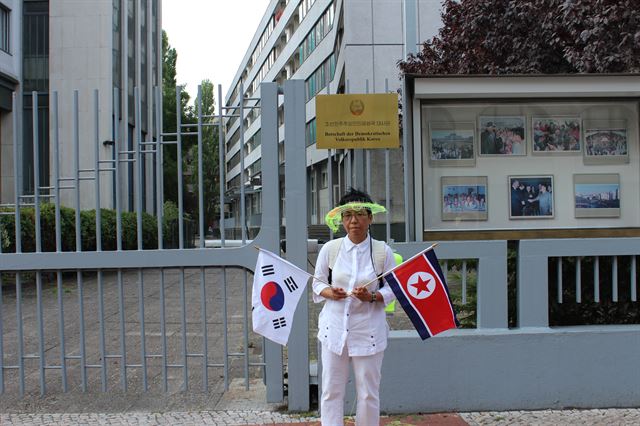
[129, 230]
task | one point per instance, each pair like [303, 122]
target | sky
[211, 38]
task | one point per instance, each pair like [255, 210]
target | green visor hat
[334, 217]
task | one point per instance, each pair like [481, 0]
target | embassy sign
[357, 121]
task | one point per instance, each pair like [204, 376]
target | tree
[210, 159]
[532, 37]
[169, 118]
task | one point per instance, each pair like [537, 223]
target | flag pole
[431, 247]
[275, 255]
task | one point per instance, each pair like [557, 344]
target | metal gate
[132, 318]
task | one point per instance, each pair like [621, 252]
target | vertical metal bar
[143, 344]
[634, 291]
[40, 319]
[596, 280]
[123, 341]
[56, 168]
[348, 175]
[221, 165]
[270, 226]
[36, 170]
[163, 334]
[116, 165]
[102, 343]
[96, 118]
[20, 333]
[183, 322]
[16, 193]
[578, 280]
[329, 167]
[406, 159]
[76, 161]
[614, 279]
[330, 183]
[1, 338]
[205, 343]
[296, 234]
[179, 157]
[464, 282]
[63, 352]
[387, 182]
[245, 327]
[159, 206]
[243, 213]
[225, 330]
[200, 177]
[138, 162]
[367, 154]
[83, 355]
[559, 278]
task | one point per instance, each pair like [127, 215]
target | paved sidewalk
[607, 417]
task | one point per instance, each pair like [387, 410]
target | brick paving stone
[617, 416]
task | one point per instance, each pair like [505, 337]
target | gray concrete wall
[475, 370]
[10, 66]
[7, 168]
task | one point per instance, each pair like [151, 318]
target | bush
[108, 227]
[4, 238]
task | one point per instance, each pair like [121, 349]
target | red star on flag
[421, 285]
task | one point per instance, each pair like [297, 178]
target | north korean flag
[421, 289]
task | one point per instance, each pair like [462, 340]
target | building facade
[63, 46]
[336, 46]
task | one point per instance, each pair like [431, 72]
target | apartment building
[336, 46]
[62, 46]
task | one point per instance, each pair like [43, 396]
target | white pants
[335, 373]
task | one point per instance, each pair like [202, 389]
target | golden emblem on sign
[356, 107]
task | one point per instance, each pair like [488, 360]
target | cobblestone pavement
[612, 416]
[596, 417]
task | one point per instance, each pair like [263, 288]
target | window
[5, 29]
[311, 132]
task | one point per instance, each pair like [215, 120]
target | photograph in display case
[531, 197]
[502, 135]
[464, 198]
[555, 135]
[596, 195]
[452, 144]
[605, 142]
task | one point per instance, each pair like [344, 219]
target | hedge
[87, 229]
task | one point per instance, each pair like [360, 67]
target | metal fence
[131, 315]
[134, 317]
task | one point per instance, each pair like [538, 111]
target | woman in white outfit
[352, 324]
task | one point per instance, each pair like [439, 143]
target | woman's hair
[354, 195]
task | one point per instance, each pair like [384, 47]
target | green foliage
[589, 311]
[209, 161]
[532, 37]
[189, 153]
[4, 238]
[87, 229]
[169, 118]
[512, 283]
[465, 312]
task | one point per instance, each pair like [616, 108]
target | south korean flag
[277, 287]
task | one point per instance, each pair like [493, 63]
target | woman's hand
[333, 293]
[363, 294]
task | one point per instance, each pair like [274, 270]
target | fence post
[492, 287]
[533, 285]
[296, 196]
[269, 235]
